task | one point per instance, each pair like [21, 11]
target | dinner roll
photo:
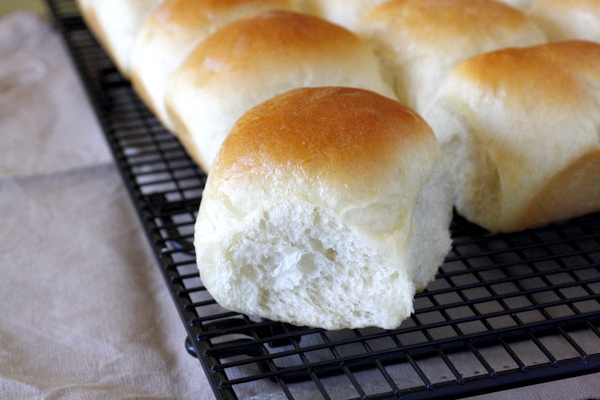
[326, 207]
[254, 59]
[420, 41]
[567, 19]
[345, 13]
[115, 24]
[518, 4]
[172, 31]
[522, 126]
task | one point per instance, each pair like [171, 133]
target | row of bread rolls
[330, 207]
[560, 19]
[117, 23]
[522, 126]
[231, 55]
[520, 160]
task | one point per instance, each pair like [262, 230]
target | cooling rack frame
[496, 297]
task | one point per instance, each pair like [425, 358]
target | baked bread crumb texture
[339, 135]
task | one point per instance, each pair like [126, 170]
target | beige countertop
[9, 6]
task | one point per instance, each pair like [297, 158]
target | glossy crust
[358, 144]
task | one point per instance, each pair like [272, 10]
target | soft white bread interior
[567, 19]
[523, 129]
[173, 29]
[326, 207]
[253, 59]
[345, 13]
[420, 41]
[115, 24]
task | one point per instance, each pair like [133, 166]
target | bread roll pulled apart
[327, 207]
[253, 59]
[523, 129]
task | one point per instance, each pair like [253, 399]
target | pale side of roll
[115, 24]
[420, 41]
[254, 59]
[518, 4]
[173, 29]
[326, 207]
[345, 13]
[523, 129]
[567, 19]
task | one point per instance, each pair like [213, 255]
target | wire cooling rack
[505, 310]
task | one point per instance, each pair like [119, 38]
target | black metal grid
[505, 310]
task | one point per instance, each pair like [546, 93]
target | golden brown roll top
[567, 19]
[172, 31]
[522, 126]
[420, 41]
[347, 139]
[115, 24]
[254, 59]
[326, 207]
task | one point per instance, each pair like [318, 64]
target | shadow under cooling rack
[505, 310]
